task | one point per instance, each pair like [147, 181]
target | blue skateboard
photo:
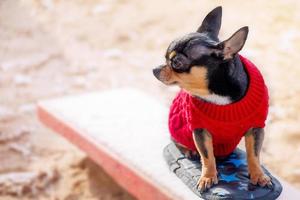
[233, 176]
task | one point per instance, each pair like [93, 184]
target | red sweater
[226, 123]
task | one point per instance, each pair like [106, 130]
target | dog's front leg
[203, 142]
[254, 139]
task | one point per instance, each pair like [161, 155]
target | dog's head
[191, 58]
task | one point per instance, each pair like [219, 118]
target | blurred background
[51, 48]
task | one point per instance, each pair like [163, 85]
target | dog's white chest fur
[217, 99]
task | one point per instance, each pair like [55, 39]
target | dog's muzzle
[156, 71]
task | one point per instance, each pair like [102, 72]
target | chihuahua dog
[211, 73]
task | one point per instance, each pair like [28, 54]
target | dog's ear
[212, 23]
[234, 44]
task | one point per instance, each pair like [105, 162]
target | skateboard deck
[233, 176]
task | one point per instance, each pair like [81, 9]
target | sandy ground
[52, 48]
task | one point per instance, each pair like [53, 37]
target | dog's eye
[177, 63]
[180, 62]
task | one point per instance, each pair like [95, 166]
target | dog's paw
[206, 181]
[261, 179]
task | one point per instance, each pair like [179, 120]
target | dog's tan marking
[172, 54]
[194, 82]
[257, 175]
[209, 170]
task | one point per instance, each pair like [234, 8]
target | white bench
[125, 132]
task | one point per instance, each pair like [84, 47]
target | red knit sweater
[226, 123]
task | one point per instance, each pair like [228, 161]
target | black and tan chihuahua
[196, 63]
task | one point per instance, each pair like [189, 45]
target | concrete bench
[124, 131]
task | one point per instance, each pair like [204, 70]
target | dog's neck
[228, 83]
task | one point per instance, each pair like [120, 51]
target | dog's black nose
[156, 72]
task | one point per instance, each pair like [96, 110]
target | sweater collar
[231, 112]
